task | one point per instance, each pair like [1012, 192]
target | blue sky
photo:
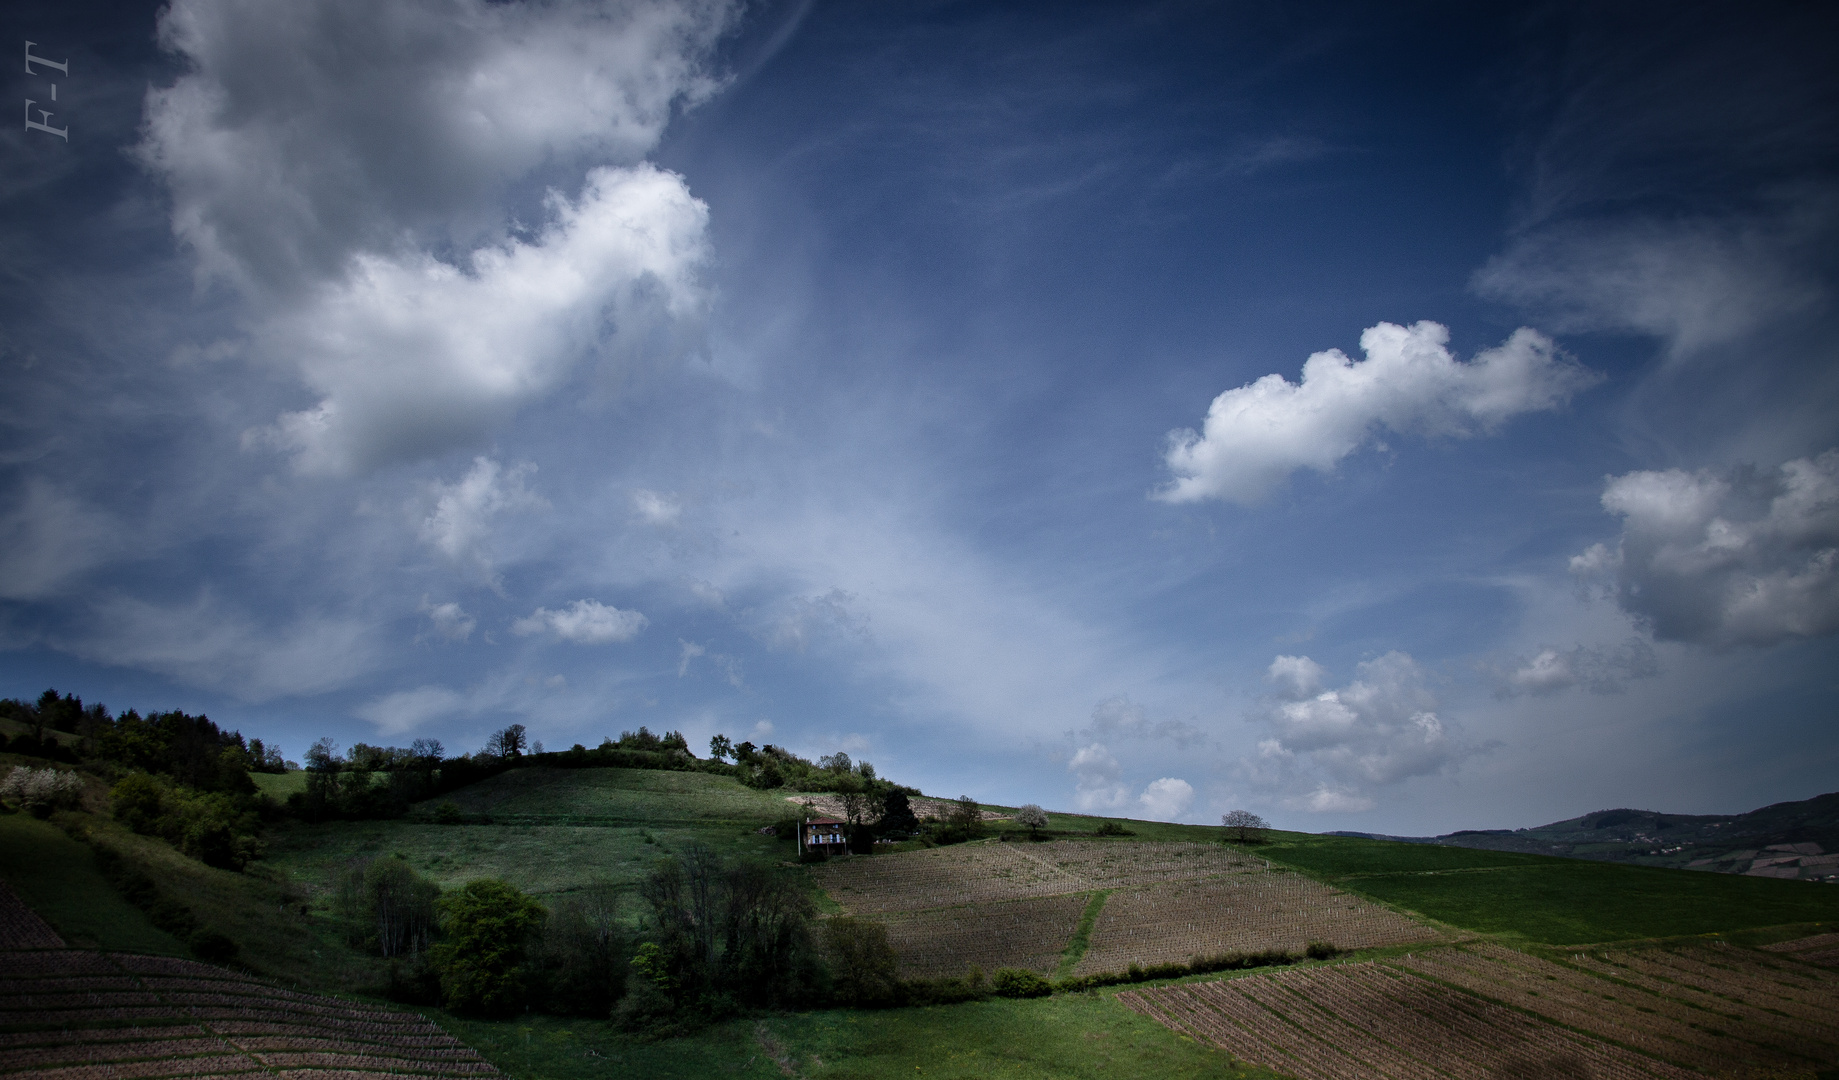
[1397, 419]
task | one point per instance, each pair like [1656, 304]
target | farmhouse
[823, 834]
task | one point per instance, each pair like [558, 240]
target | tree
[508, 742]
[897, 815]
[488, 925]
[1245, 826]
[838, 762]
[720, 748]
[862, 963]
[1033, 817]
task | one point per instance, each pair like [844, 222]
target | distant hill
[1785, 840]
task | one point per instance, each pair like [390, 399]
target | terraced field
[1019, 904]
[73, 1014]
[1485, 1011]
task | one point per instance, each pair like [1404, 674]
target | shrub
[863, 967]
[1319, 950]
[1019, 983]
[1112, 828]
[584, 953]
[40, 791]
[448, 813]
[488, 925]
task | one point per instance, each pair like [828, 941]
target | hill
[1795, 840]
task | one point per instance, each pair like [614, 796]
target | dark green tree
[487, 926]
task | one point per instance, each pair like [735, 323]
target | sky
[1397, 418]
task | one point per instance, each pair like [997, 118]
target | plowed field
[1484, 1011]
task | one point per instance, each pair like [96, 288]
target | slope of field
[1483, 1011]
[69, 1014]
[947, 908]
[542, 796]
[1553, 900]
[54, 874]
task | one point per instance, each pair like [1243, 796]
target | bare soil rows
[940, 877]
[189, 1019]
[1173, 922]
[945, 942]
[1658, 1025]
[1362, 1021]
[1817, 1007]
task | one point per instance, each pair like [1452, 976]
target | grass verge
[1082, 937]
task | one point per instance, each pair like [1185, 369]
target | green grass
[57, 877]
[1082, 936]
[1549, 900]
[1066, 1036]
[589, 796]
[278, 786]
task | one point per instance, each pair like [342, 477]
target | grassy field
[618, 796]
[57, 877]
[1549, 900]
[1073, 1036]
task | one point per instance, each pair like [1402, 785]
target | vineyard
[1018, 905]
[1172, 922]
[1819, 949]
[1485, 1011]
[68, 1014]
[945, 942]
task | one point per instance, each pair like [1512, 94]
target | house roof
[826, 821]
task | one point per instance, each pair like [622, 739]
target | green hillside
[1550, 900]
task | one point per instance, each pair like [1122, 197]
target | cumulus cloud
[1600, 669]
[407, 710]
[301, 136]
[1096, 773]
[459, 520]
[657, 509]
[448, 621]
[352, 170]
[412, 355]
[1738, 557]
[1166, 799]
[1377, 730]
[1257, 435]
[584, 622]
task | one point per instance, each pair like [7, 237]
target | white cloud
[303, 135]
[1097, 774]
[1740, 557]
[1377, 730]
[209, 643]
[413, 355]
[1327, 800]
[763, 729]
[407, 710]
[1257, 435]
[690, 651]
[657, 509]
[449, 621]
[584, 622]
[1600, 669]
[1166, 799]
[50, 537]
[459, 522]
[1119, 717]
[809, 617]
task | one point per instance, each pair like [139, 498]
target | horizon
[1395, 422]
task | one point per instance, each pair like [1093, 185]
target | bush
[213, 827]
[1112, 828]
[863, 967]
[386, 906]
[1319, 950]
[448, 813]
[488, 925]
[584, 953]
[1019, 983]
[40, 791]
